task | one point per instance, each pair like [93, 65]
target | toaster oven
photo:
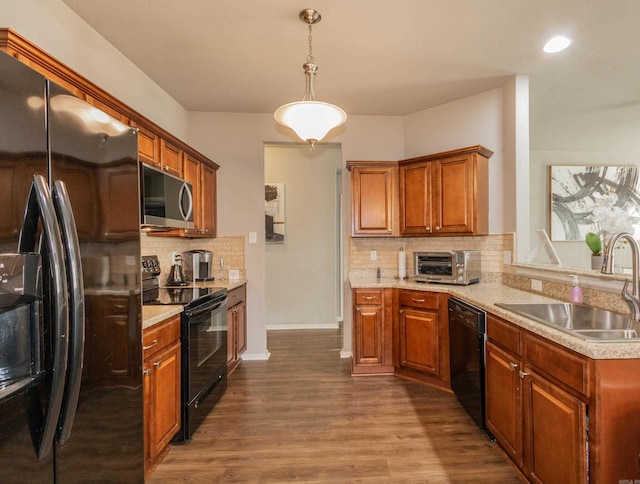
[449, 267]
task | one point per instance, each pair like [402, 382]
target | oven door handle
[207, 308]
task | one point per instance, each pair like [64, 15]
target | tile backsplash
[230, 249]
[494, 249]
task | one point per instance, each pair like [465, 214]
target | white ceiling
[383, 57]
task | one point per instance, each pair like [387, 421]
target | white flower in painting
[609, 217]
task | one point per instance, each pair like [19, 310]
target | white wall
[300, 275]
[53, 27]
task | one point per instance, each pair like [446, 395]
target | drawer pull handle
[417, 300]
[155, 342]
[368, 298]
[513, 365]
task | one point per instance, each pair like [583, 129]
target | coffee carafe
[176, 277]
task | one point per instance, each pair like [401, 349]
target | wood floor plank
[301, 417]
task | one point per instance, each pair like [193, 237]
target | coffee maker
[198, 265]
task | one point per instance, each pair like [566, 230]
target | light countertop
[485, 295]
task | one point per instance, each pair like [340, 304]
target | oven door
[207, 345]
[435, 265]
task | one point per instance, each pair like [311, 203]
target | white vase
[596, 261]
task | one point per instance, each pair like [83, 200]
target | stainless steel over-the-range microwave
[167, 201]
[447, 266]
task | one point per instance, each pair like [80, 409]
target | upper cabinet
[156, 147]
[442, 194]
[202, 177]
[374, 198]
[445, 193]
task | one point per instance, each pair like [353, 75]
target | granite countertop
[153, 314]
[485, 295]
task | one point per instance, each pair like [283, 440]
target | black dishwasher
[467, 331]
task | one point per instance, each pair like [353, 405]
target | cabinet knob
[522, 374]
[402, 311]
[437, 228]
[428, 229]
[146, 372]
[513, 365]
[357, 310]
[158, 364]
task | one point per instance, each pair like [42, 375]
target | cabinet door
[372, 200]
[455, 196]
[242, 328]
[419, 340]
[164, 391]
[416, 199]
[555, 433]
[368, 335]
[503, 403]
[231, 337]
[148, 146]
[208, 209]
[170, 158]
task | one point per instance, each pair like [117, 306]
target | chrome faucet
[633, 299]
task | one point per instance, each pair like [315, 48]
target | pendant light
[310, 119]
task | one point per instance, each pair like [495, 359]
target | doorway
[303, 240]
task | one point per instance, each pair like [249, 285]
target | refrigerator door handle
[40, 207]
[77, 310]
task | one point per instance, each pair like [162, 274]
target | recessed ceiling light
[557, 44]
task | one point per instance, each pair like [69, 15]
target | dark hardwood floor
[301, 417]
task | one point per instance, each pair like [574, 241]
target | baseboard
[255, 356]
[346, 354]
[303, 326]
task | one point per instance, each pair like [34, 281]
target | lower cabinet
[421, 337]
[372, 332]
[161, 368]
[236, 326]
[537, 396]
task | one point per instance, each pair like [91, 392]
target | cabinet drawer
[503, 333]
[563, 366]
[420, 299]
[373, 296]
[160, 335]
[237, 295]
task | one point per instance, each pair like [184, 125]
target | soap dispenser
[576, 290]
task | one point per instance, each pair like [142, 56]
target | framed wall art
[274, 213]
[600, 199]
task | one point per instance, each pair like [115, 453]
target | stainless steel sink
[580, 320]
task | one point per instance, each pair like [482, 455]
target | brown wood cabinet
[546, 402]
[372, 332]
[374, 198]
[161, 368]
[202, 177]
[156, 146]
[236, 326]
[445, 193]
[421, 337]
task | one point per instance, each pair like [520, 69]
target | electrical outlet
[253, 237]
[536, 285]
[373, 255]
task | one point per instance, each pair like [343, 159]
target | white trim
[256, 356]
[303, 326]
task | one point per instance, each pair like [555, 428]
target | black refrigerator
[71, 394]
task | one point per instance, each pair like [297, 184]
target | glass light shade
[311, 120]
